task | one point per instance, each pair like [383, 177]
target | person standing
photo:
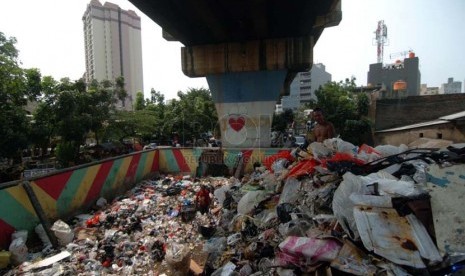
[323, 129]
[203, 200]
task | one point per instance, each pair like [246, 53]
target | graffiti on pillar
[236, 130]
[237, 125]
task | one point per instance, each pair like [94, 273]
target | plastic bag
[226, 270]
[387, 150]
[339, 145]
[290, 191]
[319, 151]
[39, 229]
[304, 167]
[312, 250]
[250, 200]
[215, 245]
[178, 258]
[343, 206]
[296, 227]
[19, 234]
[63, 232]
[18, 250]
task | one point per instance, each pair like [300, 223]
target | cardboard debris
[48, 261]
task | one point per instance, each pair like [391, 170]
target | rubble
[332, 207]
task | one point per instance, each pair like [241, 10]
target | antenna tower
[381, 39]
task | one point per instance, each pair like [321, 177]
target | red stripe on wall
[156, 162]
[5, 234]
[99, 180]
[54, 185]
[183, 166]
[133, 167]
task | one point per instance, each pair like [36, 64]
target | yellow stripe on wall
[122, 171]
[47, 202]
[188, 155]
[18, 193]
[149, 162]
[84, 187]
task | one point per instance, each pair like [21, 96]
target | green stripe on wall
[171, 161]
[70, 190]
[141, 167]
[18, 216]
[108, 185]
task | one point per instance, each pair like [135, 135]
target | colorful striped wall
[66, 192]
[185, 160]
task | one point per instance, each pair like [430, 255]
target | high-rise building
[113, 47]
[303, 87]
[451, 87]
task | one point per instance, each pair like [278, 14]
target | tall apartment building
[304, 86]
[451, 87]
[113, 47]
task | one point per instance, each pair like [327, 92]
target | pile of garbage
[332, 207]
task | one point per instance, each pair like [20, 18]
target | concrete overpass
[248, 50]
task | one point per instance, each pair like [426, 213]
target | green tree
[282, 120]
[140, 102]
[120, 92]
[14, 92]
[346, 110]
[190, 116]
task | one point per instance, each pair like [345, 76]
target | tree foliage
[346, 110]
[14, 84]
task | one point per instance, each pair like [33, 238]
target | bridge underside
[249, 51]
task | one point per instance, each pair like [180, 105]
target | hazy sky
[50, 37]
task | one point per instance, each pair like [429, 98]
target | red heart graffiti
[237, 123]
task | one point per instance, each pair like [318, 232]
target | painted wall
[185, 160]
[70, 191]
[66, 192]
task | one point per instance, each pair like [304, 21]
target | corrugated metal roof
[424, 124]
[440, 120]
[455, 116]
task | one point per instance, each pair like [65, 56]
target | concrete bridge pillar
[246, 80]
[245, 102]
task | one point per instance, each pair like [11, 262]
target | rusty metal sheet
[447, 189]
[402, 240]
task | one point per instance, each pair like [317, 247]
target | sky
[50, 38]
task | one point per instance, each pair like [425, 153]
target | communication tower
[381, 39]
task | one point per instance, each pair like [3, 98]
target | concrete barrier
[64, 193]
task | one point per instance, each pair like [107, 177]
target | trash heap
[330, 208]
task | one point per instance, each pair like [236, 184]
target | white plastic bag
[250, 200]
[39, 229]
[19, 234]
[18, 250]
[319, 151]
[290, 191]
[63, 232]
[387, 150]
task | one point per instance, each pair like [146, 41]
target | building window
[439, 135]
[421, 134]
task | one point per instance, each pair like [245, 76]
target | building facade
[451, 87]
[401, 78]
[303, 87]
[113, 47]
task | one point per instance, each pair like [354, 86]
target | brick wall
[415, 109]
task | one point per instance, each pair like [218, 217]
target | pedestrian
[310, 126]
[203, 200]
[323, 129]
